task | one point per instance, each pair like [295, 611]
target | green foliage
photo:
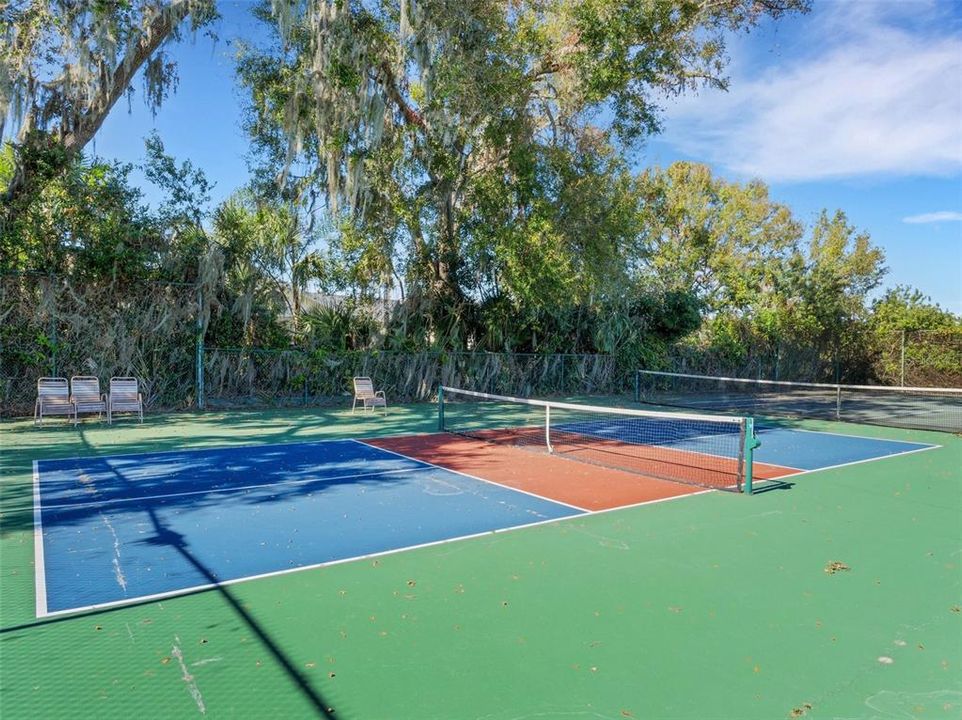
[460, 137]
[455, 156]
[916, 341]
[726, 242]
[905, 308]
[85, 219]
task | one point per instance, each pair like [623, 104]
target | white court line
[853, 462]
[222, 490]
[40, 579]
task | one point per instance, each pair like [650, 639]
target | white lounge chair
[86, 396]
[53, 398]
[364, 391]
[124, 396]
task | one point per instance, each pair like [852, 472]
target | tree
[906, 308]
[723, 241]
[820, 299]
[270, 257]
[65, 64]
[401, 110]
[88, 221]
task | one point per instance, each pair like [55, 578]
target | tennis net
[708, 450]
[908, 407]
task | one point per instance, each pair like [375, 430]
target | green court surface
[837, 597]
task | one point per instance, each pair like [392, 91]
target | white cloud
[934, 217]
[865, 91]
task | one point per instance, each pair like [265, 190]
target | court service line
[471, 477]
[214, 490]
[40, 579]
[853, 462]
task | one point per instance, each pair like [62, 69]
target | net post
[440, 408]
[547, 427]
[751, 444]
[637, 386]
[838, 402]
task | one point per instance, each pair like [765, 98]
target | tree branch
[412, 116]
[137, 54]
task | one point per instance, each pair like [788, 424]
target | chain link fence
[921, 358]
[51, 327]
[236, 377]
[916, 358]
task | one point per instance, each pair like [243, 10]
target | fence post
[902, 362]
[199, 368]
[52, 288]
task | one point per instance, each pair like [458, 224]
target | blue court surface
[807, 450]
[124, 528]
[119, 529]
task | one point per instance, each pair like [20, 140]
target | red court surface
[580, 484]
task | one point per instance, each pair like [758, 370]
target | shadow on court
[164, 536]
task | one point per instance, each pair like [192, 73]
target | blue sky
[855, 106]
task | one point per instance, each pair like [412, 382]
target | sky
[855, 106]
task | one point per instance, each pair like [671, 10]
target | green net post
[751, 444]
[440, 408]
[637, 386]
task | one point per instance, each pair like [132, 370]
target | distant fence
[919, 358]
[50, 326]
[154, 331]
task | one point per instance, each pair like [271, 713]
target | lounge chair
[364, 391]
[53, 398]
[124, 396]
[86, 396]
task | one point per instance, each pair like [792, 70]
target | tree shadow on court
[257, 473]
[168, 538]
